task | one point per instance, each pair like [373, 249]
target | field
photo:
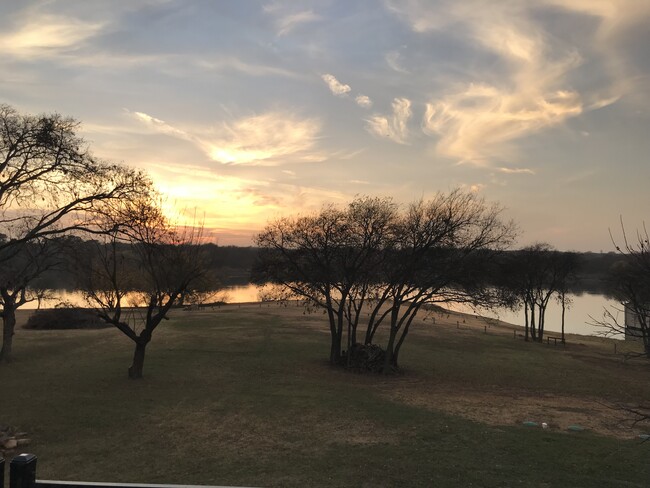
[243, 395]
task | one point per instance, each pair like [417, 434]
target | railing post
[2, 473]
[22, 471]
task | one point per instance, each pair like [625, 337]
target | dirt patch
[245, 431]
[504, 407]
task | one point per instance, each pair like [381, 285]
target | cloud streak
[47, 34]
[286, 20]
[395, 125]
[268, 139]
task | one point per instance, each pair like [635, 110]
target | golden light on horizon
[217, 202]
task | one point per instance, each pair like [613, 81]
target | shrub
[365, 358]
[64, 318]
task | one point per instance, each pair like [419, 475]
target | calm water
[577, 315]
[231, 294]
[576, 318]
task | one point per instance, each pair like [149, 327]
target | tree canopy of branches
[373, 256]
[139, 271]
[49, 186]
[630, 280]
[536, 274]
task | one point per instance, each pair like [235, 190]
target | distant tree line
[234, 266]
[230, 265]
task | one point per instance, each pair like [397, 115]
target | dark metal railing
[22, 474]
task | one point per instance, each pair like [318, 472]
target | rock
[10, 443]
[24, 441]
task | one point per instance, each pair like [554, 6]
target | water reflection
[230, 294]
[577, 316]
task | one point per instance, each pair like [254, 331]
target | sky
[251, 110]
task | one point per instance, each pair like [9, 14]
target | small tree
[140, 271]
[569, 266]
[630, 281]
[17, 279]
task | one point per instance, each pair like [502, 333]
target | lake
[577, 316]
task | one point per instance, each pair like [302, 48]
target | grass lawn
[243, 396]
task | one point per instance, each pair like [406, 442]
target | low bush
[64, 318]
[364, 358]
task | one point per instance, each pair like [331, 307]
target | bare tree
[569, 266]
[630, 280]
[328, 259]
[17, 280]
[140, 271]
[536, 274]
[394, 262]
[441, 247]
[49, 186]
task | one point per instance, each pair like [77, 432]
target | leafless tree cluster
[372, 259]
[535, 275]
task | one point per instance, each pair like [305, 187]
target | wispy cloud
[393, 126]
[47, 34]
[363, 101]
[479, 121]
[231, 63]
[159, 126]
[287, 19]
[289, 22]
[335, 86]
[479, 124]
[268, 139]
[515, 171]
[393, 61]
[614, 15]
[271, 138]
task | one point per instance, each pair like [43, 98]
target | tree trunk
[335, 346]
[563, 309]
[8, 326]
[405, 331]
[349, 345]
[533, 330]
[135, 371]
[388, 360]
[353, 331]
[526, 318]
